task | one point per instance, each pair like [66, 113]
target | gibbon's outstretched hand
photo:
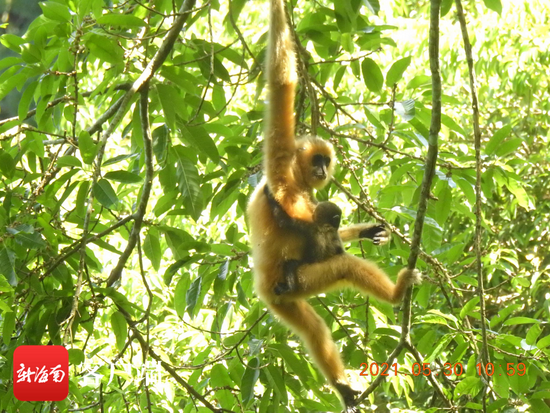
[293, 168]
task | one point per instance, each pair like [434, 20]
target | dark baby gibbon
[321, 238]
[293, 168]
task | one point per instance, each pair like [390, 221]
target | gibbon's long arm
[280, 144]
[378, 233]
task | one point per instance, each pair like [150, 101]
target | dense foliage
[132, 249]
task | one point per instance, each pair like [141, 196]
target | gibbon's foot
[281, 288]
[348, 395]
[378, 233]
[413, 277]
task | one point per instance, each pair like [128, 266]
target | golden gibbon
[292, 169]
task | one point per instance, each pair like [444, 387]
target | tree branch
[116, 273]
[477, 239]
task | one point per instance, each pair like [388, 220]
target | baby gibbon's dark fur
[293, 168]
[322, 239]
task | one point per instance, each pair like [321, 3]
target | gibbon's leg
[378, 233]
[311, 328]
[348, 270]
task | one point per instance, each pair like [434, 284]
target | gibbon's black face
[320, 164]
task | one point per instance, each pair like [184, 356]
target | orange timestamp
[448, 369]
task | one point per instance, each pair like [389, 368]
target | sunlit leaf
[120, 328]
[494, 5]
[372, 75]
[104, 193]
[396, 71]
[122, 20]
[124, 177]
[250, 377]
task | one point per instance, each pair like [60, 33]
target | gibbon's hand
[378, 233]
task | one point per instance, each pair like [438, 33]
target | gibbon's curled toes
[414, 276]
[379, 234]
[348, 395]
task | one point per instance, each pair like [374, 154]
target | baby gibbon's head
[327, 213]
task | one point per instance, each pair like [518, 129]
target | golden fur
[287, 166]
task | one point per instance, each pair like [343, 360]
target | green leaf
[25, 101]
[441, 345]
[373, 6]
[445, 7]
[494, 5]
[467, 189]
[104, 193]
[31, 53]
[508, 147]
[277, 381]
[372, 75]
[533, 334]
[8, 326]
[497, 139]
[192, 295]
[105, 49]
[151, 248]
[55, 11]
[171, 102]
[13, 42]
[543, 342]
[249, 379]
[81, 198]
[180, 296]
[500, 380]
[220, 377]
[10, 79]
[452, 125]
[118, 158]
[298, 366]
[122, 20]
[7, 165]
[420, 81]
[188, 182]
[124, 177]
[396, 71]
[7, 265]
[520, 320]
[200, 139]
[76, 356]
[443, 205]
[31, 241]
[470, 386]
[69, 160]
[494, 407]
[88, 149]
[120, 328]
[469, 306]
[520, 194]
